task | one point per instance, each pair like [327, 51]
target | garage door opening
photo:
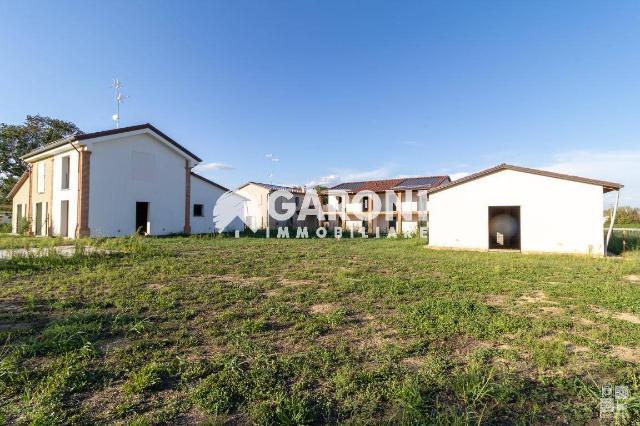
[504, 227]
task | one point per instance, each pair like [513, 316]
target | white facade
[556, 215]
[206, 195]
[126, 168]
[130, 169]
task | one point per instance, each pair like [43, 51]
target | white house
[404, 213]
[113, 183]
[518, 208]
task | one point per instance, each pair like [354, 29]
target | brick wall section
[84, 174]
[187, 198]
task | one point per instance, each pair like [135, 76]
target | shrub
[624, 215]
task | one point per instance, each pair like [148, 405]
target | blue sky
[343, 90]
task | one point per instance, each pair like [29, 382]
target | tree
[18, 139]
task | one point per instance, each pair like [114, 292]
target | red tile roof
[424, 182]
[379, 185]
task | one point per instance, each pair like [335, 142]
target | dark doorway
[142, 217]
[64, 218]
[504, 227]
[38, 218]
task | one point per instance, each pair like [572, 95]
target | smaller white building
[516, 208]
[204, 195]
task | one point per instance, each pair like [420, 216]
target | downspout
[613, 218]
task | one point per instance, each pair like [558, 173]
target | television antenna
[117, 84]
[273, 159]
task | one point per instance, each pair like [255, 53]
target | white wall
[206, 194]
[257, 205]
[135, 168]
[556, 215]
[70, 194]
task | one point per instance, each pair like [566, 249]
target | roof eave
[606, 186]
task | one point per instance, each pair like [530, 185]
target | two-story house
[113, 183]
[403, 209]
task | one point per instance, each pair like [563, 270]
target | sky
[318, 92]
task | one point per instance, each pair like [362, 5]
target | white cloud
[349, 175]
[458, 175]
[615, 166]
[212, 166]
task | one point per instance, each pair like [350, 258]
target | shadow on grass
[37, 263]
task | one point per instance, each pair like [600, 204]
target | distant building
[258, 195]
[516, 208]
[403, 215]
[113, 183]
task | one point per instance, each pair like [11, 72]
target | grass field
[196, 330]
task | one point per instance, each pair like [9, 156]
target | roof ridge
[93, 135]
[504, 166]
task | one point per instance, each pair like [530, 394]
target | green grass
[623, 225]
[215, 330]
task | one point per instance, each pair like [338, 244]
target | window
[41, 177]
[422, 203]
[198, 210]
[365, 204]
[64, 184]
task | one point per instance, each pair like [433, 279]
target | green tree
[18, 139]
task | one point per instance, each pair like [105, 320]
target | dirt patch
[496, 299]
[626, 316]
[552, 310]
[323, 308]
[626, 354]
[573, 348]
[622, 316]
[272, 293]
[114, 344]
[414, 362]
[585, 321]
[463, 346]
[535, 297]
[296, 283]
[632, 278]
